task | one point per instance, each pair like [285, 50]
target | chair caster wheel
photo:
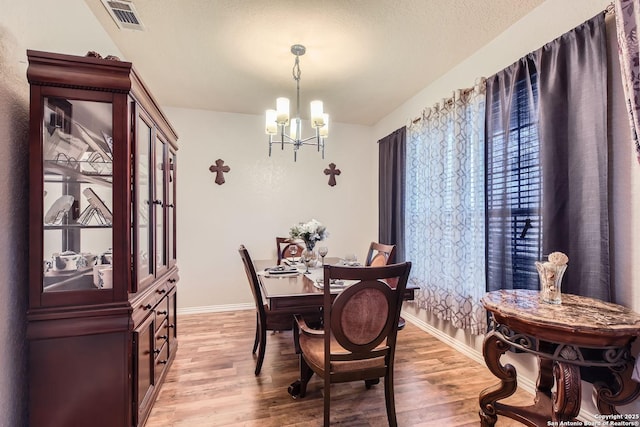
[370, 383]
[294, 389]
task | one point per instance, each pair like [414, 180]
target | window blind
[514, 190]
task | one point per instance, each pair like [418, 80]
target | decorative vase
[550, 281]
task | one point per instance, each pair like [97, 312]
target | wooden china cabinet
[102, 328]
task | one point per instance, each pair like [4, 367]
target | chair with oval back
[358, 339]
[283, 244]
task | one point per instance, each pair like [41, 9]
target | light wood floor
[211, 383]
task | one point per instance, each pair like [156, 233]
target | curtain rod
[445, 102]
[610, 9]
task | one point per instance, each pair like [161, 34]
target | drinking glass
[309, 259]
[323, 251]
[293, 250]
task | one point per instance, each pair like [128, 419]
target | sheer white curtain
[627, 19]
[444, 209]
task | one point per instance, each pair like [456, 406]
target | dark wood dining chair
[358, 339]
[380, 254]
[265, 319]
[283, 244]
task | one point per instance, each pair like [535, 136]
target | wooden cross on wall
[219, 169]
[332, 172]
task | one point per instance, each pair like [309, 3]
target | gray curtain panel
[574, 155]
[571, 105]
[391, 190]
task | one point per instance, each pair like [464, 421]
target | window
[514, 190]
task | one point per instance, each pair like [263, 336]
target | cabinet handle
[171, 205]
[163, 337]
[148, 307]
[161, 312]
[156, 352]
[162, 362]
[172, 280]
[171, 326]
[157, 202]
[161, 291]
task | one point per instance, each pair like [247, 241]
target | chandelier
[279, 120]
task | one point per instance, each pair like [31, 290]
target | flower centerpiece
[310, 232]
[551, 273]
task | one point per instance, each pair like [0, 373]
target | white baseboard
[215, 308]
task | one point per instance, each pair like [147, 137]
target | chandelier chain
[296, 76]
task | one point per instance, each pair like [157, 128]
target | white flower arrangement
[558, 258]
[311, 232]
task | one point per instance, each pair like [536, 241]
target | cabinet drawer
[149, 303]
[162, 313]
[144, 307]
[161, 360]
[162, 289]
[161, 336]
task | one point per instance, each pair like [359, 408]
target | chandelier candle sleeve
[296, 128]
[317, 118]
[271, 127]
[324, 130]
[282, 108]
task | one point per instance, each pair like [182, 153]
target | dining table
[295, 292]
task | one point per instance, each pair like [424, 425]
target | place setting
[280, 271]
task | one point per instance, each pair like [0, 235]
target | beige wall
[14, 121]
[262, 198]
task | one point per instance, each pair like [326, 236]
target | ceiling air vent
[124, 13]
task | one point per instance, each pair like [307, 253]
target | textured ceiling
[364, 57]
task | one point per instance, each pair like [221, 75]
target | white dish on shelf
[58, 209]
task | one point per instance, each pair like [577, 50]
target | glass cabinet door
[154, 201]
[144, 202]
[160, 192]
[77, 147]
[171, 207]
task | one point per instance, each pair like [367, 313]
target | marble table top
[575, 312]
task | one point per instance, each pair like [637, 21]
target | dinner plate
[287, 271]
[336, 284]
[282, 270]
[288, 274]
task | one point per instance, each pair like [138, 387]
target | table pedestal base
[561, 405]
